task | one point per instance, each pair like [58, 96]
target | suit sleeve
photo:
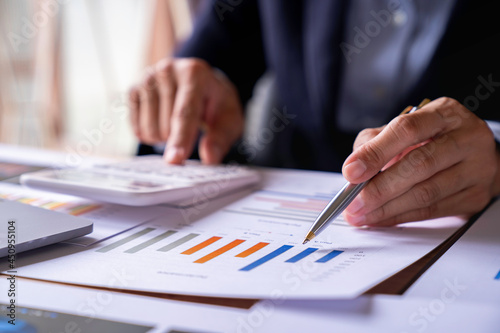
[227, 34]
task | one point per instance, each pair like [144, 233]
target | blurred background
[66, 67]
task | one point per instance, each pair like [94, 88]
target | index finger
[134, 110]
[402, 132]
[185, 123]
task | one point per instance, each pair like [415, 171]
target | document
[109, 219]
[470, 270]
[48, 307]
[374, 314]
[251, 248]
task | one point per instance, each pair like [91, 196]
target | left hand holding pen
[439, 161]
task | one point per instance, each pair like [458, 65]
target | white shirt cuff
[495, 128]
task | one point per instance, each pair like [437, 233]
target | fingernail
[354, 170]
[355, 206]
[355, 220]
[174, 155]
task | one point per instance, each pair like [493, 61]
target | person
[343, 67]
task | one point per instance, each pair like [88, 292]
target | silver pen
[345, 196]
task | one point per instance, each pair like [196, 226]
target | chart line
[302, 254]
[124, 240]
[279, 213]
[220, 251]
[152, 241]
[268, 215]
[252, 250]
[329, 256]
[177, 243]
[266, 258]
[202, 245]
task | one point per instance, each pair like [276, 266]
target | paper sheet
[471, 267]
[47, 307]
[374, 314]
[251, 248]
[109, 219]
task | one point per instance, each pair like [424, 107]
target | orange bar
[201, 245]
[54, 205]
[220, 251]
[251, 250]
[27, 200]
[83, 209]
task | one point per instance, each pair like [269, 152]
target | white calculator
[144, 181]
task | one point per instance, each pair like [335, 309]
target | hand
[178, 98]
[439, 161]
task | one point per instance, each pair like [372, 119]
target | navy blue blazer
[299, 41]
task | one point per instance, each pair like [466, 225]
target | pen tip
[309, 236]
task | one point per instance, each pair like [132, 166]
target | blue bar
[498, 276]
[302, 254]
[329, 256]
[266, 258]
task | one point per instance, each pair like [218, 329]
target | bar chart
[292, 207]
[162, 242]
[250, 248]
[75, 208]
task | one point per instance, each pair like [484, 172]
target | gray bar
[178, 242]
[125, 240]
[152, 241]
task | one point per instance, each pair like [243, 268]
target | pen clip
[424, 101]
[409, 108]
